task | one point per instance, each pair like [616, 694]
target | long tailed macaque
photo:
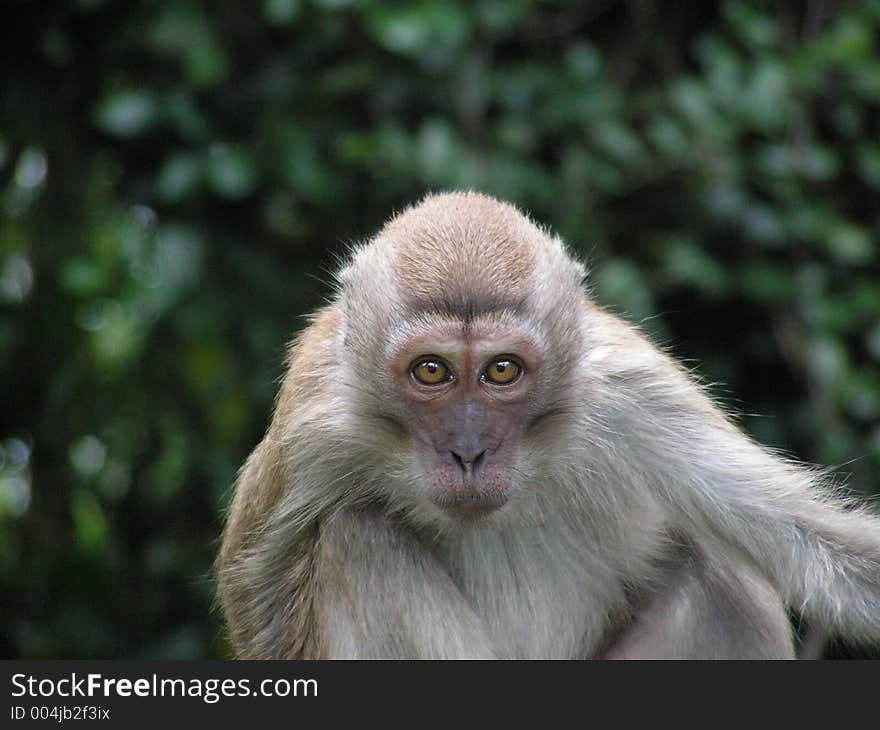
[469, 458]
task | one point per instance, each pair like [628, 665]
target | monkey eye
[501, 371]
[430, 371]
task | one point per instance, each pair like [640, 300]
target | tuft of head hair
[464, 254]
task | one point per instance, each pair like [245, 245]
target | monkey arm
[381, 594]
[384, 596]
[822, 552]
[260, 568]
[711, 604]
[265, 562]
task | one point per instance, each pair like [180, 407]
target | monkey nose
[468, 460]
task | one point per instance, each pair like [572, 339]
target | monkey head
[457, 345]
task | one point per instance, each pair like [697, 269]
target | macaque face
[466, 390]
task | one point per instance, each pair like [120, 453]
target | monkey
[470, 458]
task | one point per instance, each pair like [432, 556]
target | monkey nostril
[468, 462]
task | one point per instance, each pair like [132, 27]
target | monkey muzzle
[472, 482]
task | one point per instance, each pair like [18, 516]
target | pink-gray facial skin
[467, 429]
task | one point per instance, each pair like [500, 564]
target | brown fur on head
[463, 252]
[458, 255]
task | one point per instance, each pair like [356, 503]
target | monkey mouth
[470, 506]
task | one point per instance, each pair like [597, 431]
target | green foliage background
[176, 177]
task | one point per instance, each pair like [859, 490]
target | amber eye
[431, 372]
[502, 371]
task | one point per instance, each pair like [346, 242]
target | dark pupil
[501, 366]
[432, 367]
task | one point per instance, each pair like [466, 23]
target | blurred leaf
[206, 62]
[752, 26]
[178, 255]
[764, 100]
[684, 262]
[851, 243]
[165, 476]
[693, 102]
[119, 341]
[669, 137]
[764, 282]
[126, 113]
[849, 41]
[90, 523]
[231, 172]
[869, 163]
[88, 455]
[827, 359]
[334, 4]
[500, 16]
[617, 141]
[186, 117]
[437, 150]
[418, 27]
[82, 277]
[872, 340]
[179, 178]
[281, 12]
[622, 284]
[583, 60]
[15, 494]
